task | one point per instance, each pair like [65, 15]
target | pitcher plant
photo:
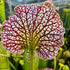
[34, 31]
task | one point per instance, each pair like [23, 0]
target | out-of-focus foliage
[64, 60]
[14, 63]
[2, 11]
[67, 18]
[3, 59]
[42, 64]
[63, 67]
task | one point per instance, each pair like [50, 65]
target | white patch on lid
[15, 41]
[15, 52]
[50, 16]
[12, 48]
[23, 8]
[9, 28]
[46, 32]
[20, 23]
[51, 49]
[17, 25]
[55, 52]
[47, 9]
[12, 23]
[16, 29]
[8, 48]
[30, 10]
[45, 50]
[14, 33]
[13, 26]
[49, 23]
[40, 26]
[12, 18]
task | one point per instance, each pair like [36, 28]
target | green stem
[55, 63]
[30, 60]
[60, 68]
[59, 54]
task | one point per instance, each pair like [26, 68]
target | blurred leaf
[2, 49]
[67, 18]
[61, 61]
[42, 64]
[65, 67]
[13, 67]
[3, 59]
[21, 62]
[2, 11]
[17, 56]
[65, 39]
[66, 54]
